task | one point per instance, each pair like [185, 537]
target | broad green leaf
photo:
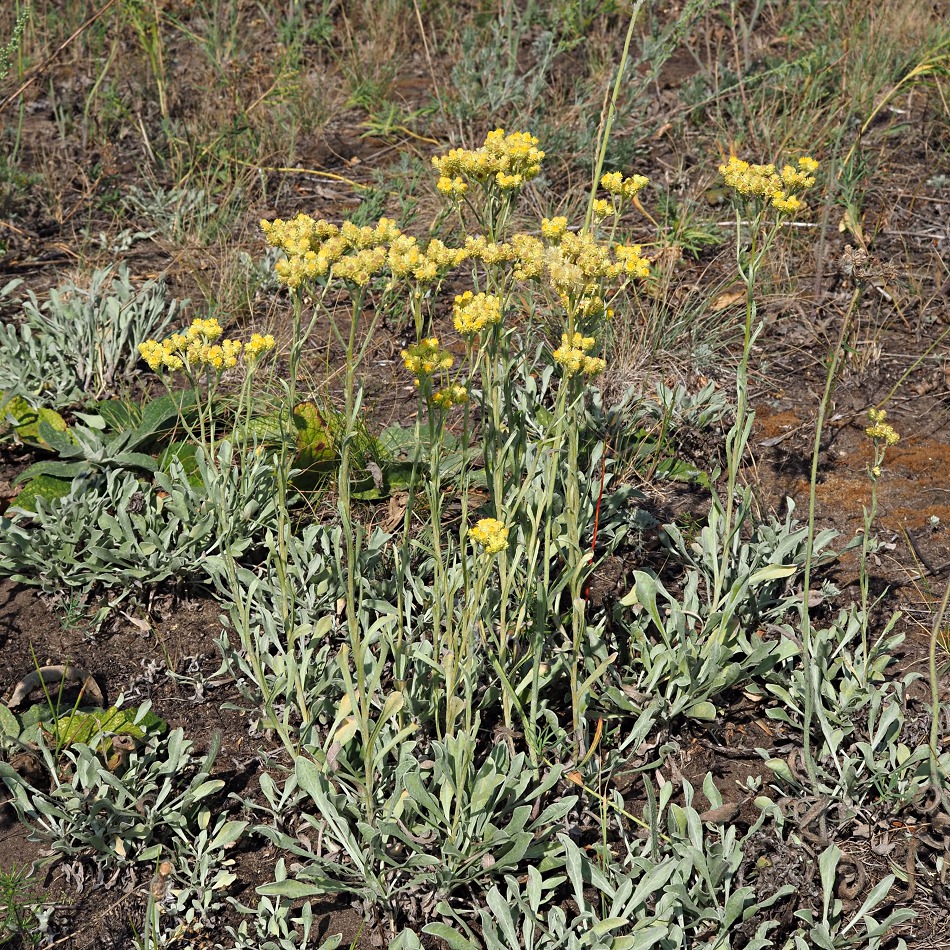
[9, 724]
[227, 834]
[53, 468]
[48, 487]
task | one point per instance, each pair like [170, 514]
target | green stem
[810, 542]
[611, 110]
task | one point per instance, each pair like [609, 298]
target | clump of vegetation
[473, 651]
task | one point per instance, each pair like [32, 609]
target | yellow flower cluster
[553, 228]
[572, 355]
[408, 261]
[426, 358]
[314, 247]
[508, 161]
[449, 396]
[528, 256]
[633, 264]
[624, 188]
[454, 187]
[490, 535]
[473, 312]
[603, 209]
[577, 266]
[196, 349]
[257, 345]
[764, 182]
[879, 430]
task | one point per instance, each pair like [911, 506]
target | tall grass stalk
[611, 112]
[807, 647]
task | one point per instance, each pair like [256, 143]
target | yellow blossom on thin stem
[879, 430]
[507, 160]
[452, 395]
[572, 356]
[258, 345]
[553, 228]
[196, 349]
[490, 534]
[473, 312]
[763, 182]
[425, 358]
[624, 188]
[454, 187]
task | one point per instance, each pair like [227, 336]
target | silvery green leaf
[453, 939]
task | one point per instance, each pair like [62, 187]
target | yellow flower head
[507, 161]
[572, 356]
[454, 187]
[473, 312]
[603, 209]
[625, 188]
[153, 353]
[879, 430]
[763, 182]
[490, 535]
[426, 358]
[528, 256]
[449, 396]
[257, 346]
[553, 228]
[203, 330]
[633, 264]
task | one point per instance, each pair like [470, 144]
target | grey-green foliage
[680, 657]
[763, 560]
[859, 714]
[154, 804]
[442, 828]
[487, 78]
[115, 531]
[679, 888]
[832, 928]
[83, 341]
[677, 407]
[271, 925]
[182, 214]
[282, 617]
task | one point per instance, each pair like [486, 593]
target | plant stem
[809, 547]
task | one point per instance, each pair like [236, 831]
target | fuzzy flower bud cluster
[490, 535]
[196, 348]
[426, 358]
[257, 346]
[473, 312]
[572, 355]
[626, 189]
[313, 248]
[579, 264]
[451, 395]
[507, 161]
[767, 184]
[553, 228]
[408, 261]
[879, 430]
